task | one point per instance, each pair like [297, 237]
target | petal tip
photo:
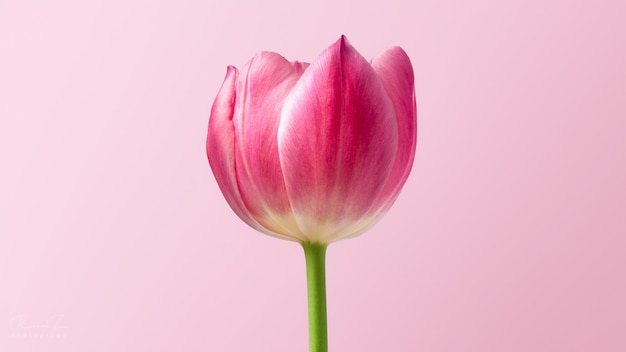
[341, 43]
[230, 69]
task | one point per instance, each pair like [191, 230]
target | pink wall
[509, 235]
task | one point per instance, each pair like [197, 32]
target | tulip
[314, 153]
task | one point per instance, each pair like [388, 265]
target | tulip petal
[337, 141]
[393, 67]
[396, 73]
[221, 152]
[263, 86]
[220, 146]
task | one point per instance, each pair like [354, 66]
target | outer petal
[337, 141]
[220, 147]
[261, 90]
[395, 71]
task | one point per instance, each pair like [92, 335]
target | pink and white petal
[337, 140]
[220, 146]
[263, 86]
[394, 68]
[221, 152]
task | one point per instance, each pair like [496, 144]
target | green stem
[315, 254]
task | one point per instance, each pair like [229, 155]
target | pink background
[508, 236]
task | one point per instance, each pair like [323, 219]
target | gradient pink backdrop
[508, 236]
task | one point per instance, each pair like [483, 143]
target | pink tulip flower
[314, 153]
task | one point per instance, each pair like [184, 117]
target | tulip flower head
[318, 152]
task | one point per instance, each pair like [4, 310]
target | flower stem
[315, 254]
